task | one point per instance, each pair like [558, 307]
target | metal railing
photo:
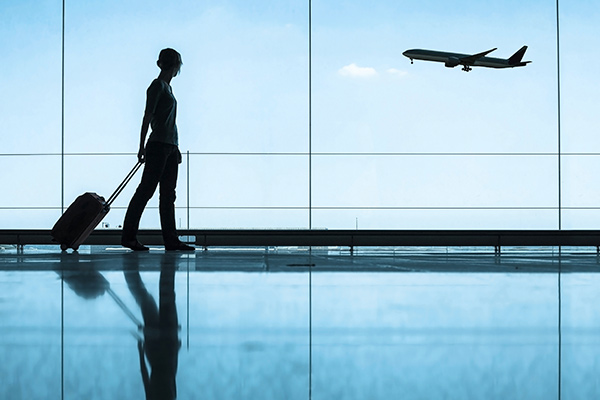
[305, 204]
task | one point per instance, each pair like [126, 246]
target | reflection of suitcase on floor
[82, 217]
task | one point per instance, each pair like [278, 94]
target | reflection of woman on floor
[161, 337]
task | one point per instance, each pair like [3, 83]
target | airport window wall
[298, 114]
[305, 114]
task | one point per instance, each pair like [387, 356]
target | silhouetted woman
[161, 343]
[161, 157]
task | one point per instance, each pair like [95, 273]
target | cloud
[397, 72]
[354, 71]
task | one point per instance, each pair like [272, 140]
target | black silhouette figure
[161, 342]
[161, 156]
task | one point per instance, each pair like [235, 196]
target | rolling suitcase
[82, 217]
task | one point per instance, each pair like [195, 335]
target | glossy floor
[278, 324]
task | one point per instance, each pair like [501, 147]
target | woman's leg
[156, 159]
[168, 183]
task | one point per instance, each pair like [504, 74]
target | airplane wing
[475, 57]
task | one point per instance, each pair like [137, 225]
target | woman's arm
[143, 134]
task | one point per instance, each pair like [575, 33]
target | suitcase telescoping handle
[120, 188]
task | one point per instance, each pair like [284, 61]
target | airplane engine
[452, 62]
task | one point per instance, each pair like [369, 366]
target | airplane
[451, 60]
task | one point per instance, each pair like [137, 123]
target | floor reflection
[161, 343]
[258, 325]
[158, 340]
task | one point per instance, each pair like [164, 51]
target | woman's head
[169, 59]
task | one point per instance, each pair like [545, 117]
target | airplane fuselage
[442, 56]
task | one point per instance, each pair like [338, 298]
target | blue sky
[244, 88]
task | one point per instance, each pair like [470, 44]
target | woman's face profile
[176, 70]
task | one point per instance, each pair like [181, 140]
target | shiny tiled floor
[298, 325]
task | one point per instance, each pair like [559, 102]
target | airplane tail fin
[516, 58]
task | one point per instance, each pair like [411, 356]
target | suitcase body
[80, 219]
[84, 215]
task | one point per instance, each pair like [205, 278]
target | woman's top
[161, 104]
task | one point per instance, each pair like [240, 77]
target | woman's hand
[142, 155]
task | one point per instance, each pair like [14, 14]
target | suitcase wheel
[64, 246]
[75, 248]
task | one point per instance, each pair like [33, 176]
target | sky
[377, 122]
